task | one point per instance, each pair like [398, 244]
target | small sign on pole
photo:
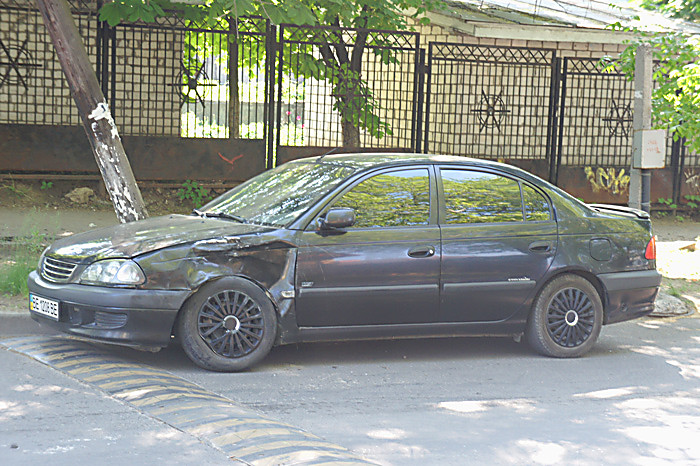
[649, 149]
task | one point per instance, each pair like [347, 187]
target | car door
[385, 268]
[498, 240]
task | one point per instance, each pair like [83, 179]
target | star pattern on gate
[189, 80]
[491, 111]
[16, 64]
[619, 119]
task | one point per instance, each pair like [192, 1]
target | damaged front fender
[268, 261]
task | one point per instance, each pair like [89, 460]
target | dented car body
[354, 247]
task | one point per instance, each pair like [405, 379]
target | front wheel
[566, 318]
[228, 325]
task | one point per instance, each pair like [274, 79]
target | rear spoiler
[620, 210]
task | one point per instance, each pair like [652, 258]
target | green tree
[676, 99]
[683, 9]
[340, 61]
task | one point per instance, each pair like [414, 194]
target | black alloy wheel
[231, 324]
[570, 317]
[566, 318]
[228, 325]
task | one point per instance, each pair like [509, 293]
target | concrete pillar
[641, 119]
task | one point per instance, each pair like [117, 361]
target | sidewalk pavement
[47, 417]
[51, 222]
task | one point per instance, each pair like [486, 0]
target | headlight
[113, 272]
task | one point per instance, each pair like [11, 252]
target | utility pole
[94, 112]
[640, 179]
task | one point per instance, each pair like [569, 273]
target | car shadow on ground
[359, 352]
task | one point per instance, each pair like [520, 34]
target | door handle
[541, 246]
[421, 251]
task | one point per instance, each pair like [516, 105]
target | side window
[394, 199]
[536, 206]
[476, 197]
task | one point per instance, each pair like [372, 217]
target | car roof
[376, 159]
[369, 160]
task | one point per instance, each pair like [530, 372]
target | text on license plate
[47, 307]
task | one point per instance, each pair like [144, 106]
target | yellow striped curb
[240, 433]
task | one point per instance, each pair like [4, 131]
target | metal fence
[301, 89]
[33, 89]
[595, 115]
[490, 102]
[331, 80]
[207, 83]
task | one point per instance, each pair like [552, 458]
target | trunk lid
[639, 216]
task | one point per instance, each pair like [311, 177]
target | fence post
[427, 99]
[418, 129]
[234, 101]
[562, 108]
[552, 127]
[279, 48]
[268, 117]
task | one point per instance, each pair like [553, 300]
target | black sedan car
[359, 246]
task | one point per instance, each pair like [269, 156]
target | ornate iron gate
[594, 147]
[32, 86]
[491, 102]
[206, 88]
[209, 103]
[189, 102]
[559, 118]
[336, 85]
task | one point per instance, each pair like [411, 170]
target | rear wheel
[566, 318]
[228, 325]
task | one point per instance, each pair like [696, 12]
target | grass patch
[678, 286]
[20, 258]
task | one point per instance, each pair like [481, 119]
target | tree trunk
[349, 108]
[351, 131]
[94, 112]
[351, 134]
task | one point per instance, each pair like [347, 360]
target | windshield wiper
[222, 215]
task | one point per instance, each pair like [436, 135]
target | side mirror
[338, 218]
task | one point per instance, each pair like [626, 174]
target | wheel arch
[585, 274]
[194, 291]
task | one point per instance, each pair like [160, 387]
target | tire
[566, 318]
[229, 325]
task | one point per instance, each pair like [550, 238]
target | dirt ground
[47, 194]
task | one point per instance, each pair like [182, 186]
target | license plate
[43, 306]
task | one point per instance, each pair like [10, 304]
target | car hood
[136, 238]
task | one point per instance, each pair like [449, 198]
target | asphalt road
[635, 399]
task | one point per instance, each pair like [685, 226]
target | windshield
[278, 196]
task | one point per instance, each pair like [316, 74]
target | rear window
[478, 197]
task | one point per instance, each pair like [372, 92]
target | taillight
[650, 253]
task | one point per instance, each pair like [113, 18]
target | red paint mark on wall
[230, 161]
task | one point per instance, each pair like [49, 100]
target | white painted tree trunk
[94, 112]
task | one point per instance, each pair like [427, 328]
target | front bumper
[630, 294]
[113, 315]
